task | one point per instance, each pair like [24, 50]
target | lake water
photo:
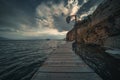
[19, 60]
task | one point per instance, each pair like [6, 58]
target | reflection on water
[105, 65]
[19, 60]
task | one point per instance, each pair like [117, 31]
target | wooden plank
[59, 59]
[82, 68]
[64, 56]
[64, 61]
[66, 76]
[64, 64]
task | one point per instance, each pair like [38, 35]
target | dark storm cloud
[60, 23]
[15, 12]
[86, 7]
[19, 16]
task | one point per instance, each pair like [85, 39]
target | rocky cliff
[99, 27]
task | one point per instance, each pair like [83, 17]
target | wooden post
[75, 29]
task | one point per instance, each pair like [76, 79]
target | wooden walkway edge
[64, 64]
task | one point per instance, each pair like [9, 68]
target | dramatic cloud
[87, 8]
[85, 14]
[38, 19]
[73, 6]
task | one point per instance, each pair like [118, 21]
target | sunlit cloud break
[73, 6]
[47, 19]
[51, 19]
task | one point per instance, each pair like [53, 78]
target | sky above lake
[41, 19]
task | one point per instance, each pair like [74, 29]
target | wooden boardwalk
[64, 64]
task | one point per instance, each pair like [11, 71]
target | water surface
[19, 60]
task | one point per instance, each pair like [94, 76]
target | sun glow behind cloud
[51, 19]
[47, 20]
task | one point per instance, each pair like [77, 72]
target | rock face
[99, 27]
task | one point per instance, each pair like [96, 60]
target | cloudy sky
[41, 19]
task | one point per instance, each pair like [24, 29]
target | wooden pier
[64, 64]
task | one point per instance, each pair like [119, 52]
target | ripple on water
[19, 60]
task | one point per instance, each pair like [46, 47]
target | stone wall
[112, 42]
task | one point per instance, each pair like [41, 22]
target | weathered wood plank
[82, 68]
[64, 64]
[66, 76]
